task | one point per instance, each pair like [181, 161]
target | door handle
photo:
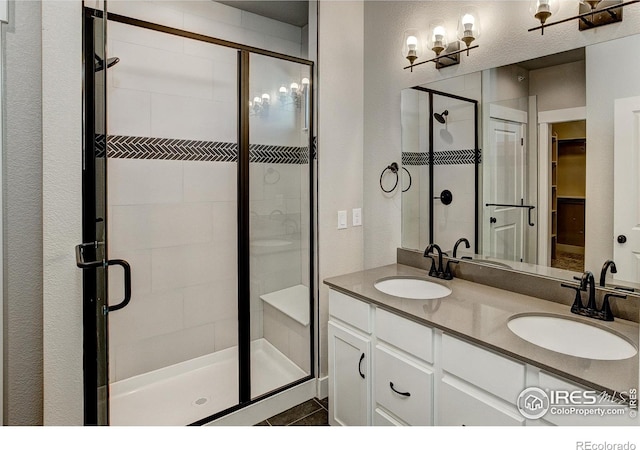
[82, 263]
[127, 283]
[360, 366]
[622, 239]
[492, 220]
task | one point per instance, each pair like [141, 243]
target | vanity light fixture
[592, 13]
[260, 105]
[447, 53]
[295, 94]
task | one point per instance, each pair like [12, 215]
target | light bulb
[468, 21]
[283, 90]
[305, 81]
[294, 87]
[266, 98]
[257, 100]
[412, 43]
[438, 34]
[543, 6]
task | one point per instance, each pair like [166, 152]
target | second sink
[409, 287]
[571, 337]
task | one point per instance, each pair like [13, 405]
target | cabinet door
[349, 377]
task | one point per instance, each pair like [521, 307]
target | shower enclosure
[198, 228]
[441, 156]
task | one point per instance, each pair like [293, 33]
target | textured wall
[23, 216]
[504, 40]
[340, 151]
[62, 210]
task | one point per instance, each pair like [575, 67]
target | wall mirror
[540, 161]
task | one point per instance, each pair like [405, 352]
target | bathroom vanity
[454, 360]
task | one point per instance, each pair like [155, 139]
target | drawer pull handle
[360, 366]
[405, 394]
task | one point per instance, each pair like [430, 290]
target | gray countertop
[480, 313]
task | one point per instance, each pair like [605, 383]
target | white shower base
[192, 390]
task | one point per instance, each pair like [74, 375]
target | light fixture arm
[448, 55]
[584, 16]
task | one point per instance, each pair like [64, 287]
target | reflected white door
[504, 184]
[626, 221]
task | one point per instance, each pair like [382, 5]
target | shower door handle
[127, 283]
[83, 264]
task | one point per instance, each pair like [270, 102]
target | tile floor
[314, 412]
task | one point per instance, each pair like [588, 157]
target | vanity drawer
[347, 309]
[406, 334]
[496, 374]
[460, 406]
[407, 377]
[382, 419]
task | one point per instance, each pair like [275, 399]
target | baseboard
[323, 387]
[269, 407]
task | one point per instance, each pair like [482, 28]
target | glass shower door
[279, 186]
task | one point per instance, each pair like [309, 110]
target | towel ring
[393, 167]
[408, 173]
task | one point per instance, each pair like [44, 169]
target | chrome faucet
[603, 273]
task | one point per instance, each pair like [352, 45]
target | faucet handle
[577, 302]
[606, 307]
[448, 275]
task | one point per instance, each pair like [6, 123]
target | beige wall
[559, 87]
[340, 146]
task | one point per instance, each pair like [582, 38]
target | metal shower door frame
[90, 337]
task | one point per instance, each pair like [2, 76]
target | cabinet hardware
[405, 394]
[360, 366]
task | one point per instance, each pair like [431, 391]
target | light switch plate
[357, 217]
[342, 220]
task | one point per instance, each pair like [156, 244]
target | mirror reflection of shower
[442, 117]
[110, 62]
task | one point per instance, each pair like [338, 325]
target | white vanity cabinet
[478, 387]
[391, 385]
[349, 335]
[385, 369]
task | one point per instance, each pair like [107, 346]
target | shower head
[110, 62]
[442, 118]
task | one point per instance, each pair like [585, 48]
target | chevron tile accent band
[447, 157]
[137, 147]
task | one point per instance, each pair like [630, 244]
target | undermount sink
[571, 337]
[416, 288]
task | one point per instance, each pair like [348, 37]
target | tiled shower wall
[454, 167]
[175, 219]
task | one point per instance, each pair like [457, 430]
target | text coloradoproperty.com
[561, 410]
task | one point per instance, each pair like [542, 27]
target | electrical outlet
[357, 217]
[342, 220]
